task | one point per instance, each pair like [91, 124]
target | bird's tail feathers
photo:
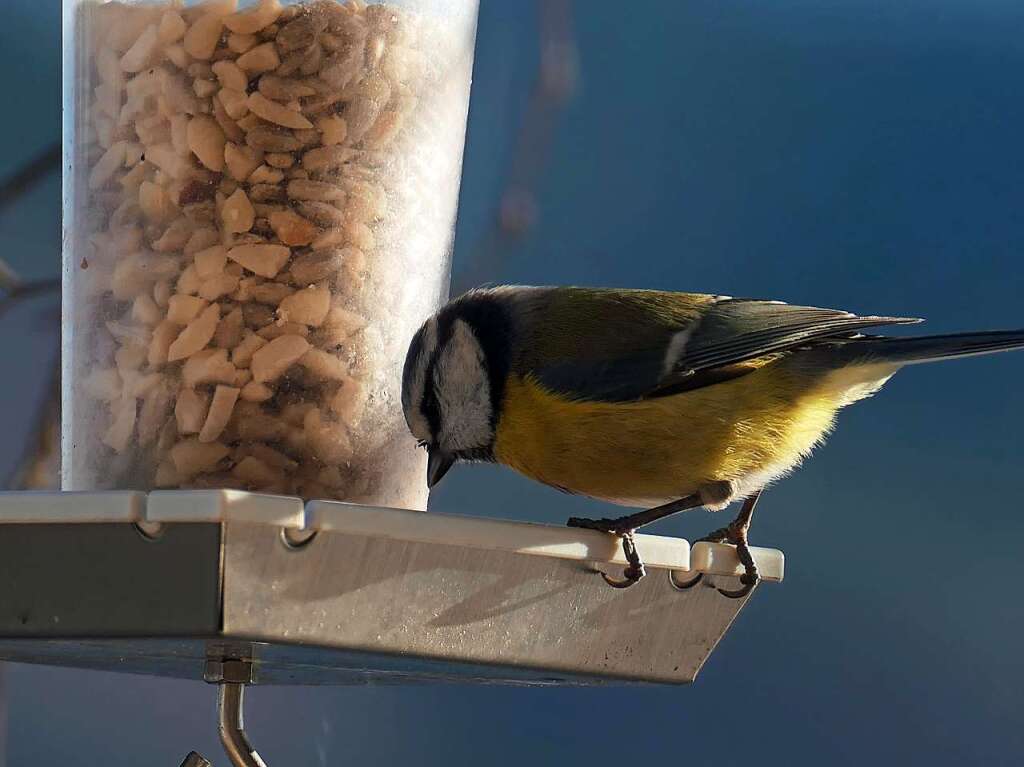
[910, 351]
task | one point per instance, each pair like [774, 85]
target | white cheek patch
[463, 392]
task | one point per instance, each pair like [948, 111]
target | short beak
[438, 465]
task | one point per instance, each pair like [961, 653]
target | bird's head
[453, 380]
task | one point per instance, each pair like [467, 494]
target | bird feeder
[259, 206]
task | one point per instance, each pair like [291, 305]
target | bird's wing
[627, 345]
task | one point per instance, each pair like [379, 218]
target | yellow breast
[748, 430]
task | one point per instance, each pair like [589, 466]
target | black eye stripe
[430, 407]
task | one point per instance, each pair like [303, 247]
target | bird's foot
[736, 534]
[635, 567]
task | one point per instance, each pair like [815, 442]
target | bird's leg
[624, 527]
[736, 534]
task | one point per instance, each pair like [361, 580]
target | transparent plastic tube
[258, 211]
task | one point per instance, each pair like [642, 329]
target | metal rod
[230, 726]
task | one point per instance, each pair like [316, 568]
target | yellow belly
[749, 431]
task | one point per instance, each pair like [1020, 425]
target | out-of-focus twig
[517, 211]
[30, 174]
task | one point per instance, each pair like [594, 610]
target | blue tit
[650, 399]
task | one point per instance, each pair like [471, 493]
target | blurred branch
[517, 209]
[34, 171]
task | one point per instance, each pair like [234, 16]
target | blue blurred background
[864, 154]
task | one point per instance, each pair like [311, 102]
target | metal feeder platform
[240, 588]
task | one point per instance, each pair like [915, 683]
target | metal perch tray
[181, 583]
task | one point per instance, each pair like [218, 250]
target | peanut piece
[206, 140]
[139, 55]
[308, 307]
[241, 161]
[190, 410]
[224, 398]
[241, 43]
[196, 335]
[208, 366]
[182, 309]
[253, 19]
[211, 261]
[271, 361]
[229, 331]
[235, 103]
[192, 457]
[202, 37]
[324, 365]
[123, 425]
[172, 27]
[264, 260]
[333, 130]
[256, 392]
[292, 229]
[237, 213]
[242, 354]
[262, 58]
[304, 189]
[273, 112]
[163, 336]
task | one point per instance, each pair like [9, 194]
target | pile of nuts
[234, 193]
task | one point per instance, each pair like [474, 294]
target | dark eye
[421, 443]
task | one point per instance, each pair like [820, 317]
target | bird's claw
[683, 585]
[630, 576]
[635, 567]
[748, 581]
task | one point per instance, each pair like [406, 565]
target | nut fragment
[242, 354]
[268, 140]
[206, 140]
[333, 129]
[229, 331]
[211, 261]
[292, 229]
[284, 89]
[254, 19]
[208, 366]
[193, 457]
[273, 112]
[224, 398]
[324, 365]
[190, 410]
[172, 27]
[182, 309]
[270, 362]
[241, 43]
[256, 392]
[264, 260]
[237, 213]
[231, 76]
[235, 103]
[262, 58]
[196, 335]
[308, 307]
[240, 160]
[202, 37]
[326, 158]
[304, 189]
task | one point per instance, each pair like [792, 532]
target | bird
[649, 399]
